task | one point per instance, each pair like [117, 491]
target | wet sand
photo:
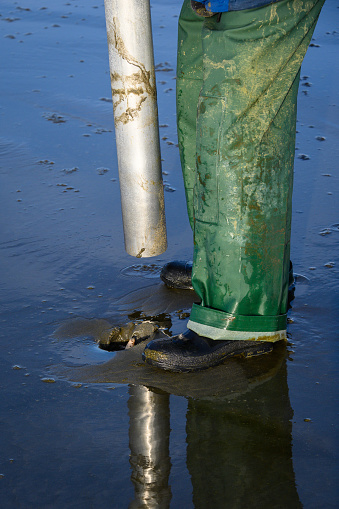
[76, 420]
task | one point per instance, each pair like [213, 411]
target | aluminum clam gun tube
[131, 61]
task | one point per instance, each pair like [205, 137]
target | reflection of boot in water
[239, 451]
[149, 444]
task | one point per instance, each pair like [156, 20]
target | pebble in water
[53, 117]
[67, 171]
[48, 380]
[333, 228]
[325, 231]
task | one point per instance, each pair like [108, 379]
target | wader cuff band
[235, 335]
[230, 322]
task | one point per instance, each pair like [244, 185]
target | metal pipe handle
[131, 60]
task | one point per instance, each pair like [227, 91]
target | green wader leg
[189, 83]
[237, 158]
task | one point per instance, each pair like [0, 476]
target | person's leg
[245, 152]
[242, 181]
[189, 83]
[178, 274]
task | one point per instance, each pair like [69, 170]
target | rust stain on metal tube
[140, 84]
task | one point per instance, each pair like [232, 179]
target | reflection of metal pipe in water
[131, 59]
[149, 444]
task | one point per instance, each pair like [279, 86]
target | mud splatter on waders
[237, 85]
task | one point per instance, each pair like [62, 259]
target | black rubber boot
[178, 275]
[191, 352]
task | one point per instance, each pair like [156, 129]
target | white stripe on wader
[222, 334]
